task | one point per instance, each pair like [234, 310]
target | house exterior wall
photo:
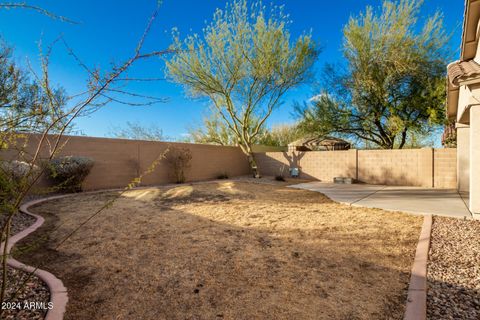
[464, 96]
[477, 53]
[463, 158]
[119, 161]
[475, 160]
[413, 167]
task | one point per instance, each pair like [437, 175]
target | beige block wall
[118, 161]
[445, 171]
[409, 167]
[318, 165]
[413, 167]
[324, 165]
[272, 163]
[262, 148]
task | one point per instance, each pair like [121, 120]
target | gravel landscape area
[454, 270]
[34, 289]
[20, 221]
[231, 250]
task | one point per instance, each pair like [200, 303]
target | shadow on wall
[294, 158]
[389, 176]
[119, 161]
[413, 167]
[313, 165]
[272, 164]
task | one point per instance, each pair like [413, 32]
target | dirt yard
[229, 250]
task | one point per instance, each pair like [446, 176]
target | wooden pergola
[325, 143]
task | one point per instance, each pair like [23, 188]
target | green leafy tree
[244, 63]
[393, 85]
[22, 100]
[280, 135]
[212, 131]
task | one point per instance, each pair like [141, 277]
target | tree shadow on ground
[156, 260]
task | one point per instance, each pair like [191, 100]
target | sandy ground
[227, 250]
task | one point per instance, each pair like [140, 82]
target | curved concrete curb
[417, 289]
[58, 292]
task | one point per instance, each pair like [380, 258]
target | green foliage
[280, 135]
[212, 131]
[136, 131]
[215, 131]
[449, 137]
[393, 86]
[23, 101]
[244, 62]
[68, 173]
[178, 159]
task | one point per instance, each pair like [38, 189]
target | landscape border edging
[416, 308]
[58, 292]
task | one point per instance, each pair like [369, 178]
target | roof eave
[470, 24]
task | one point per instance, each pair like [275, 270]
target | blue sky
[108, 31]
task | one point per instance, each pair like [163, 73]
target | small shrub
[222, 176]
[13, 175]
[179, 160]
[68, 173]
[280, 176]
[17, 170]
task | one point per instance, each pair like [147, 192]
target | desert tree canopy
[392, 85]
[244, 61]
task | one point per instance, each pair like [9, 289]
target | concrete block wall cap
[58, 292]
[416, 308]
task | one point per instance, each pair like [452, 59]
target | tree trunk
[404, 139]
[247, 150]
[253, 165]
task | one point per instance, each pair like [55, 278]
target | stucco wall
[463, 158]
[118, 161]
[413, 167]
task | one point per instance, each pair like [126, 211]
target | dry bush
[16, 170]
[179, 161]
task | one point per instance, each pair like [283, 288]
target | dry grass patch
[231, 250]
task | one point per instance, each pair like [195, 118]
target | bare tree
[102, 88]
[24, 5]
[137, 131]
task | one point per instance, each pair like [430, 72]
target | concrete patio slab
[344, 193]
[415, 200]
